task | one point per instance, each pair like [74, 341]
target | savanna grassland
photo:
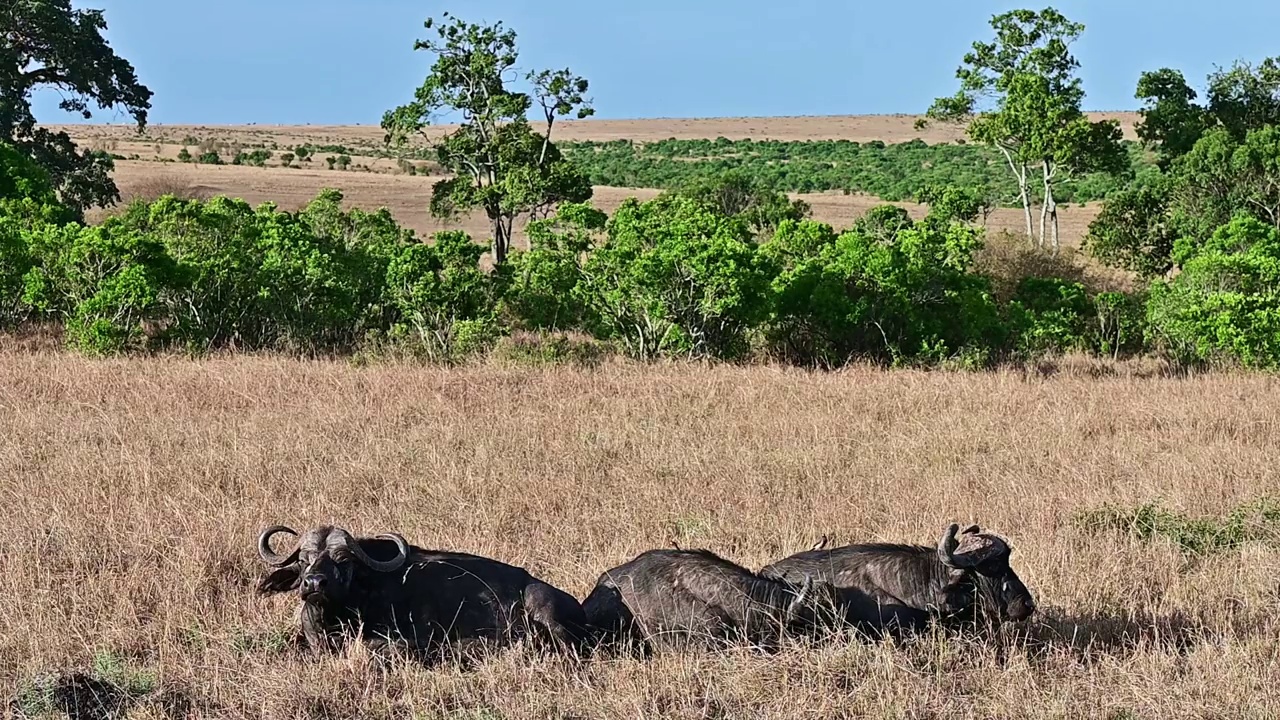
[147, 166]
[134, 490]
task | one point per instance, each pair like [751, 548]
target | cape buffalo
[404, 596]
[882, 586]
[695, 597]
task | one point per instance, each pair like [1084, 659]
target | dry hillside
[374, 182]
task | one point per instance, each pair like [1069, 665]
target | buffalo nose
[1022, 610]
[312, 584]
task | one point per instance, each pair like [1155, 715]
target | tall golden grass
[133, 491]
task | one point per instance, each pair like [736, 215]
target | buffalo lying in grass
[965, 580]
[398, 595]
[695, 597]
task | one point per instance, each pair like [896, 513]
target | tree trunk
[501, 240]
[1024, 194]
[1049, 211]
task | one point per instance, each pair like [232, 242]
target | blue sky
[346, 61]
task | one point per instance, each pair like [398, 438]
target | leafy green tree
[48, 44]
[738, 194]
[1225, 304]
[889, 289]
[1171, 120]
[1134, 230]
[1020, 94]
[1243, 97]
[287, 159]
[500, 164]
[1238, 100]
[542, 288]
[674, 278]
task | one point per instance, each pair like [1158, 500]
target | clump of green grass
[1254, 521]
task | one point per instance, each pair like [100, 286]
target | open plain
[134, 490]
[376, 181]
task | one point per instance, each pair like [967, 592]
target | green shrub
[1120, 327]
[1225, 304]
[435, 290]
[541, 287]
[103, 281]
[890, 290]
[261, 278]
[1050, 315]
[257, 158]
[674, 278]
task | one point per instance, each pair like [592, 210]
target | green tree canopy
[1020, 94]
[500, 164]
[47, 44]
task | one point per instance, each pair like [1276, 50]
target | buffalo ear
[282, 580]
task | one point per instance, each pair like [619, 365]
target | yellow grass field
[134, 490]
[377, 183]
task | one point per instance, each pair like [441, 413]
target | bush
[1225, 304]
[443, 302]
[1050, 315]
[257, 158]
[541, 288]
[261, 278]
[890, 290]
[1120, 324]
[103, 281]
[673, 278]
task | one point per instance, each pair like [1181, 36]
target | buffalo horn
[378, 565]
[802, 596]
[820, 544]
[269, 556]
[979, 547]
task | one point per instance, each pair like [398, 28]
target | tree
[500, 164]
[47, 44]
[1020, 94]
[1239, 99]
[738, 194]
[1171, 121]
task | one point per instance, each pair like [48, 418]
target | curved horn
[378, 565]
[971, 530]
[820, 544]
[948, 544]
[271, 557]
[801, 597]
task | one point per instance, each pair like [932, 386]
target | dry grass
[133, 491]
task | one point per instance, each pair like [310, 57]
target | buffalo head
[324, 562]
[979, 563]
